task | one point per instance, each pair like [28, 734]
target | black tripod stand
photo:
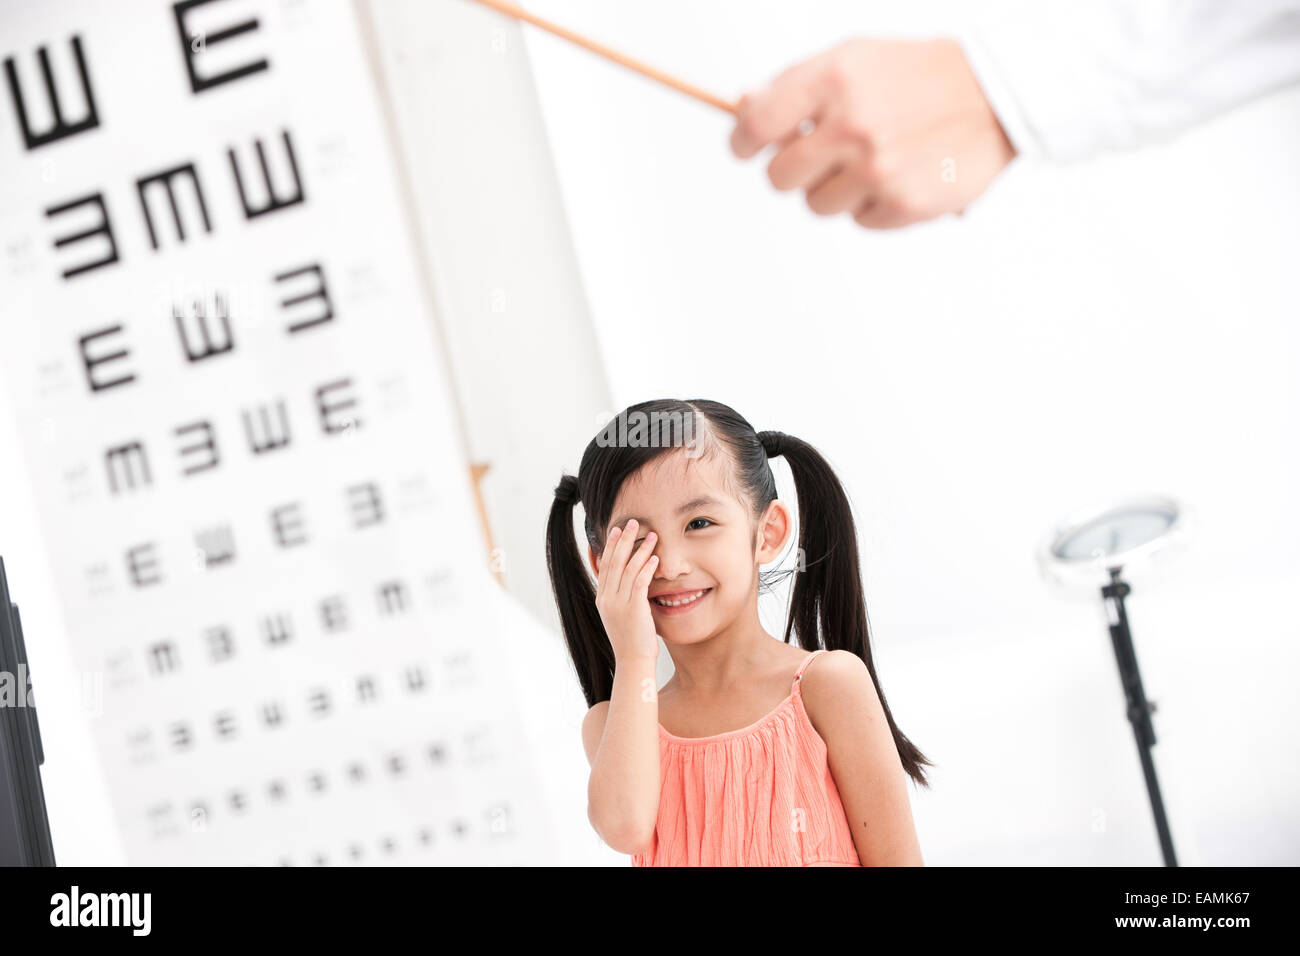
[1139, 709]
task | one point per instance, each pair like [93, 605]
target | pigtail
[575, 597]
[827, 597]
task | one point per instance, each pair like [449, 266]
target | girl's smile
[685, 601]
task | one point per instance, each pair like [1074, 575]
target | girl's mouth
[683, 603]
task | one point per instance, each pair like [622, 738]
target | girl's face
[705, 539]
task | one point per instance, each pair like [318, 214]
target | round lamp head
[1082, 549]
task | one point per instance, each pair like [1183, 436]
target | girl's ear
[773, 532]
[595, 565]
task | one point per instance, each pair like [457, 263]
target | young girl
[756, 752]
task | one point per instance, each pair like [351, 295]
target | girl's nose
[672, 563]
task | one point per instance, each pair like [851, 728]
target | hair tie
[567, 490]
[774, 443]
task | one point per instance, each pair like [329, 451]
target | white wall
[1120, 325]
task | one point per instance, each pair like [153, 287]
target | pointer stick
[516, 11]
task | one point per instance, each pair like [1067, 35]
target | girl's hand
[622, 594]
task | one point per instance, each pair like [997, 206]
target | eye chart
[241, 435]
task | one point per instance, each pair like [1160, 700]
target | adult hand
[891, 131]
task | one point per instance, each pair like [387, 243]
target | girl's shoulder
[836, 678]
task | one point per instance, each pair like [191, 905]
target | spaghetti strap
[806, 661]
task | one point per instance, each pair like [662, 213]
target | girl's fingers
[622, 571]
[602, 575]
[632, 574]
[643, 579]
[609, 545]
[622, 549]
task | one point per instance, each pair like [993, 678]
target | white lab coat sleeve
[1071, 79]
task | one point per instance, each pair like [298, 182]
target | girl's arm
[845, 710]
[621, 737]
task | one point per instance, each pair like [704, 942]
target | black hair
[827, 597]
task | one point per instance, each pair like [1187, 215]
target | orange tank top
[759, 796]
